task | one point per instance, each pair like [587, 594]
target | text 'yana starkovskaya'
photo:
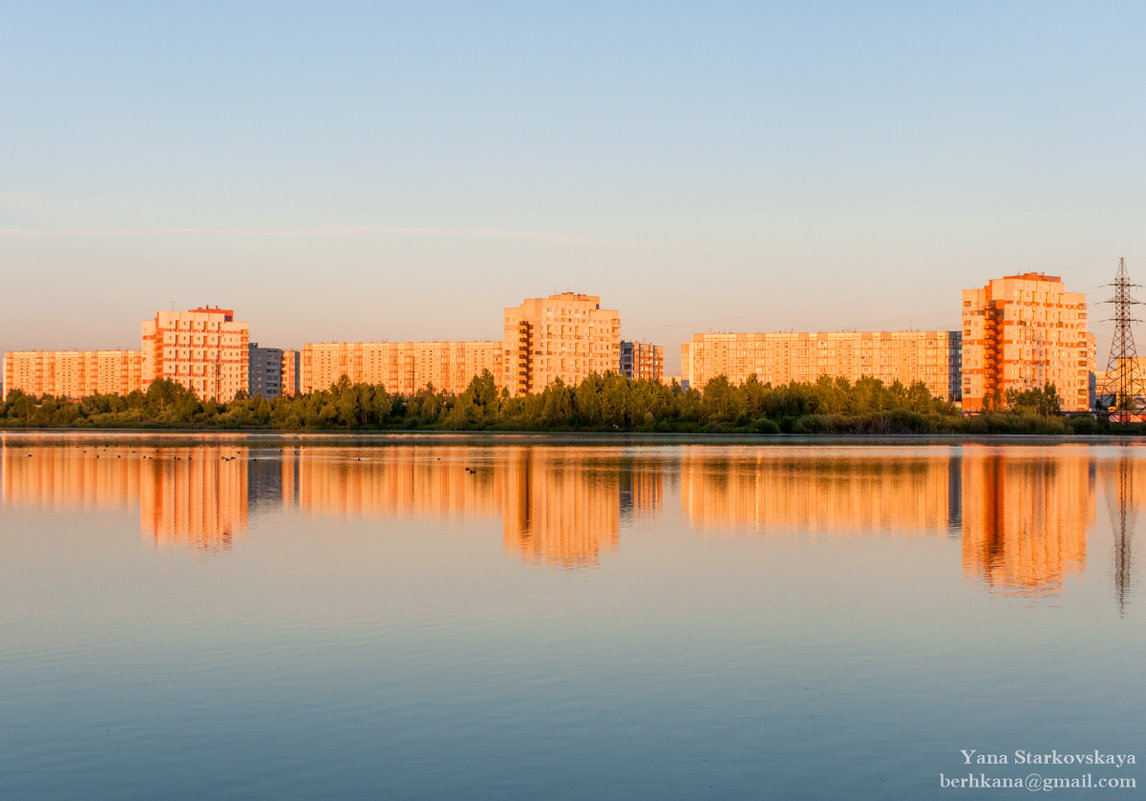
[1054, 757]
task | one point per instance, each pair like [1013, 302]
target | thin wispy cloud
[328, 232]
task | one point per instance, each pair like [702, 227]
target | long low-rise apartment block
[400, 367]
[932, 357]
[73, 374]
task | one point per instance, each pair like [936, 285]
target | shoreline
[567, 437]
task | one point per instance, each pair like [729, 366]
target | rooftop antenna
[1123, 378]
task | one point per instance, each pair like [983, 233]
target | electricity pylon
[1123, 378]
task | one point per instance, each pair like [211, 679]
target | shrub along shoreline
[600, 403]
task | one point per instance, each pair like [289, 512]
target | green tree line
[608, 402]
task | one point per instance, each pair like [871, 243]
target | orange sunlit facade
[1023, 332]
[400, 367]
[291, 372]
[776, 358]
[73, 374]
[203, 349]
[562, 337]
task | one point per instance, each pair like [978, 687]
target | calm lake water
[514, 618]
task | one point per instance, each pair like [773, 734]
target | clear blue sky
[399, 171]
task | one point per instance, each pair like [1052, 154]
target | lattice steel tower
[1123, 522]
[1123, 378]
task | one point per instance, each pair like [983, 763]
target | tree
[21, 406]
[479, 403]
[557, 404]
[1042, 401]
[164, 393]
[719, 402]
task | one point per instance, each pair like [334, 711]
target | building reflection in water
[1023, 515]
[397, 481]
[560, 507]
[193, 497]
[68, 479]
[1026, 518]
[828, 493]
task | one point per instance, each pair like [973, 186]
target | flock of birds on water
[469, 470]
[176, 458]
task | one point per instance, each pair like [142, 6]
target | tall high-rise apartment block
[642, 360]
[565, 336]
[932, 357]
[72, 374]
[1023, 332]
[400, 367]
[264, 371]
[203, 349]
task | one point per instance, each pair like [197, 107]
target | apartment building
[73, 374]
[932, 357]
[291, 371]
[642, 360]
[203, 349]
[400, 367]
[264, 371]
[565, 336]
[1022, 332]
